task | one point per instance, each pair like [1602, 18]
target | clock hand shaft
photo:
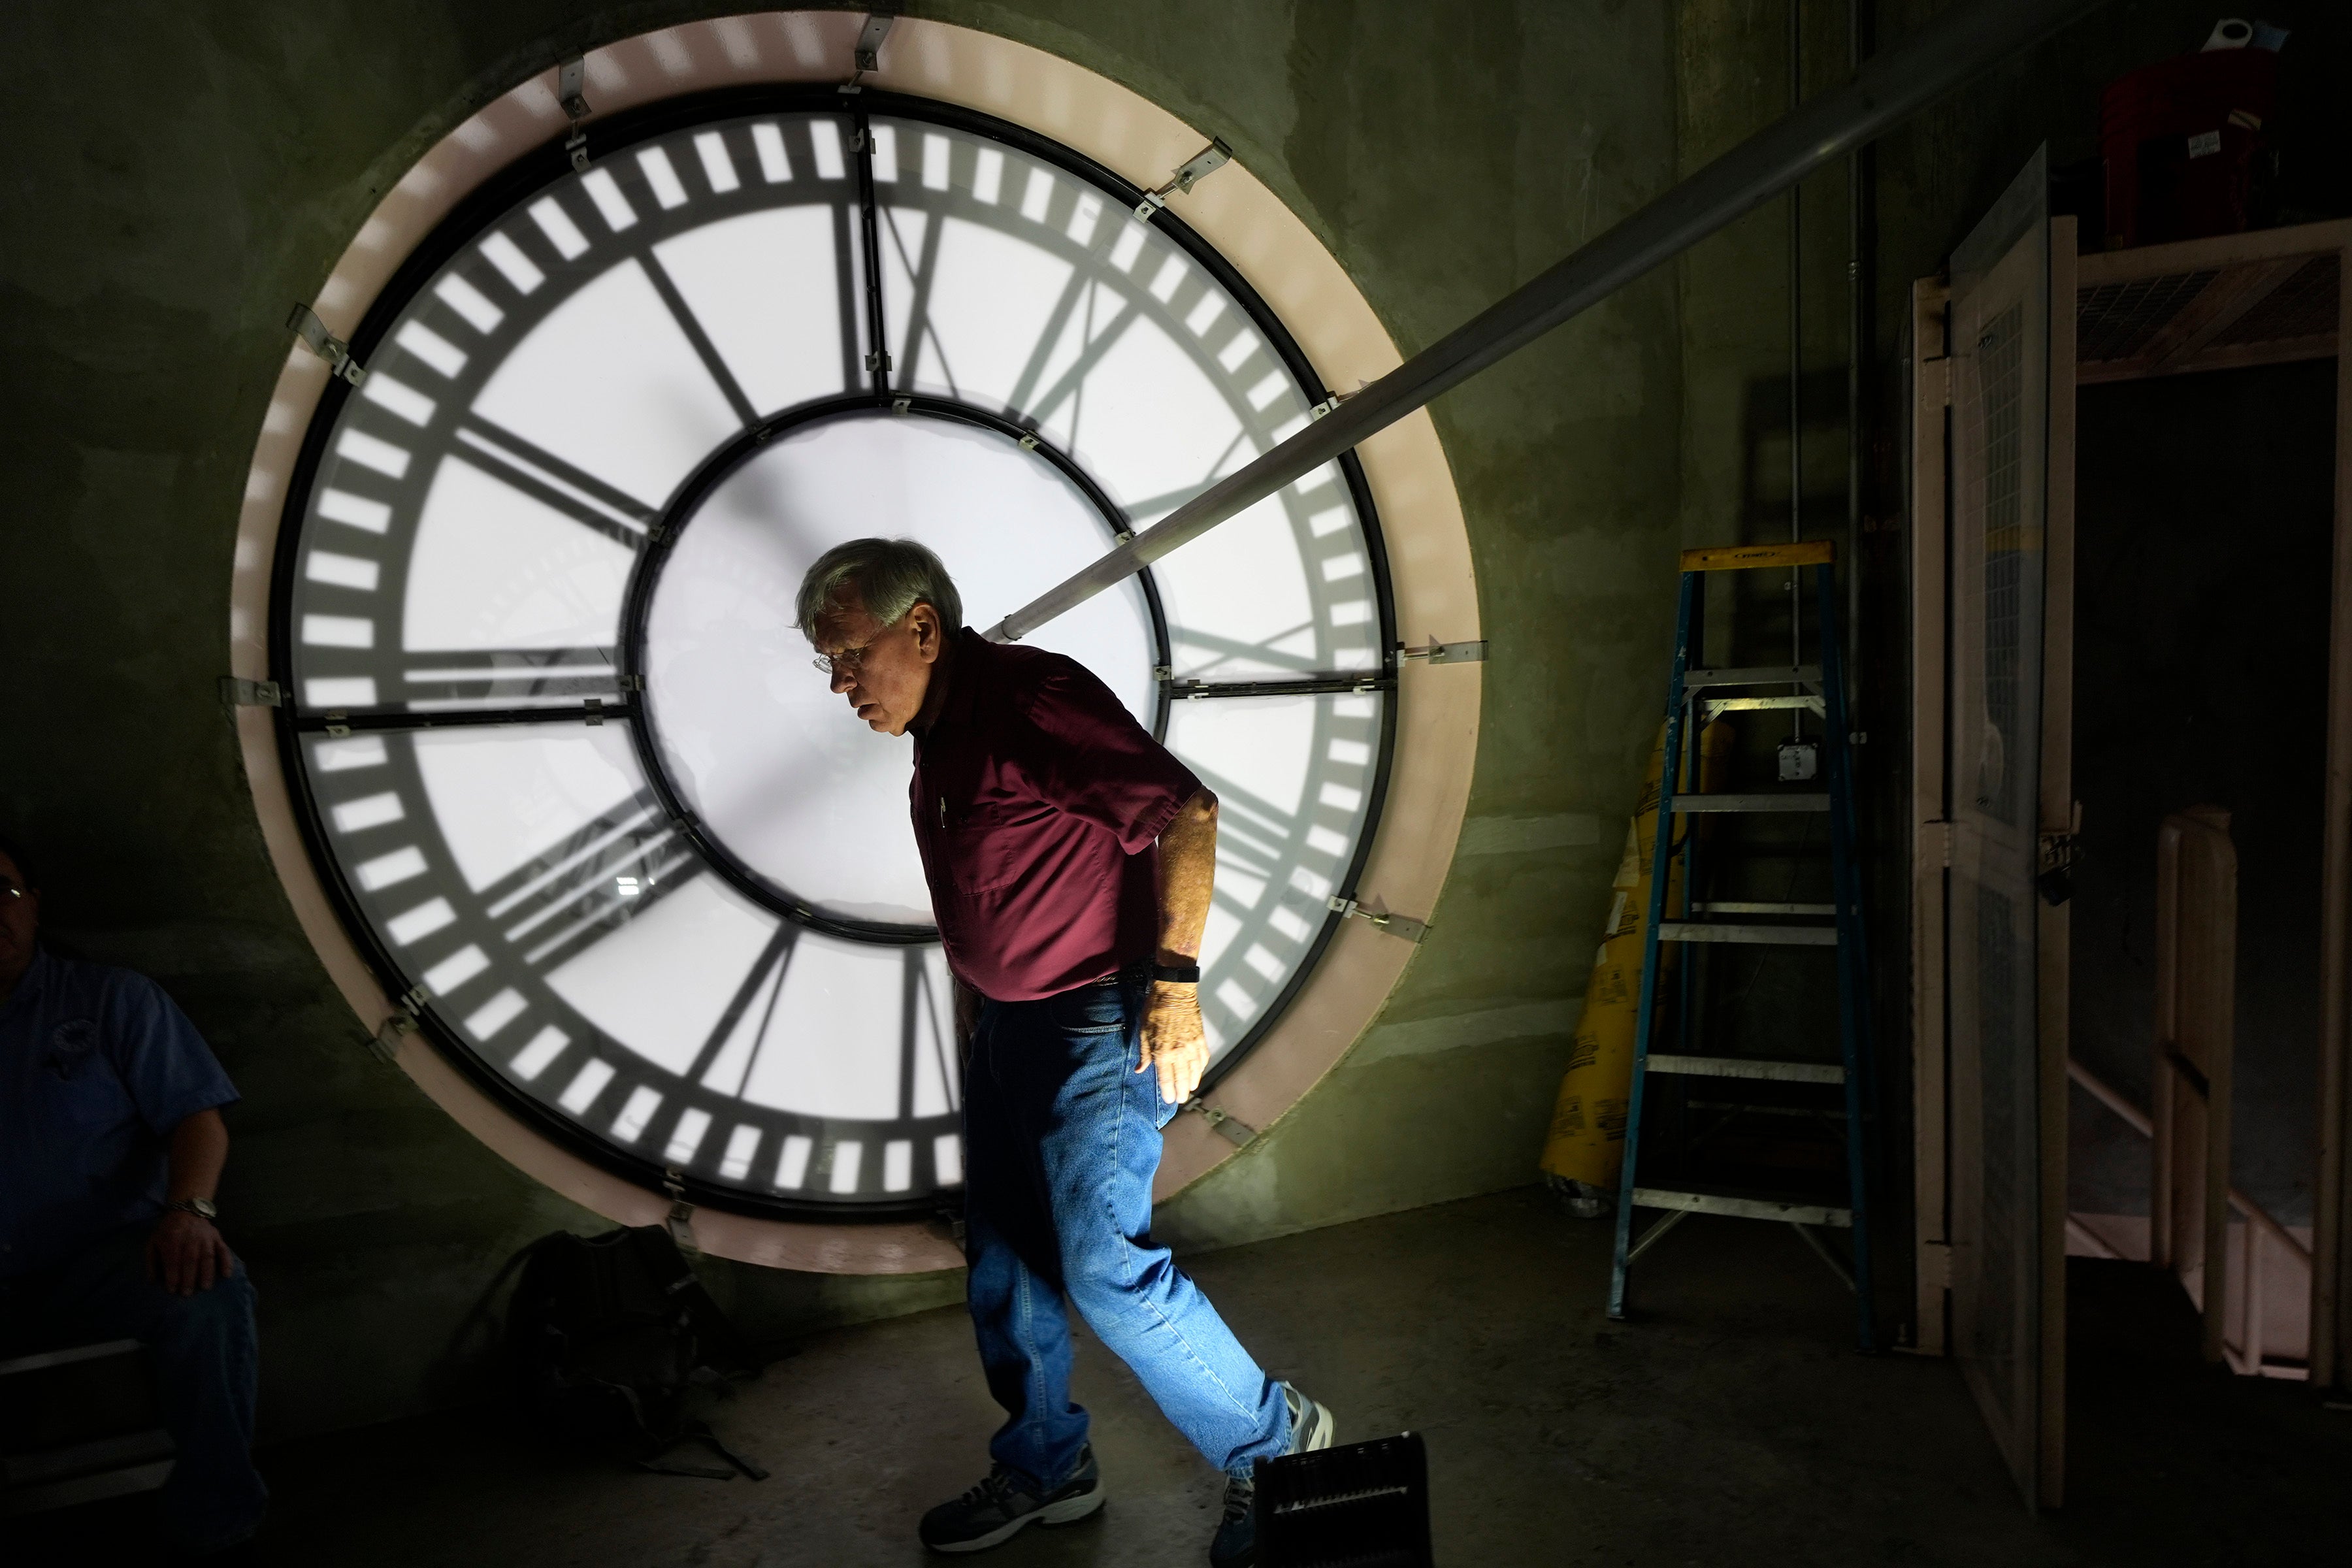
[1945, 54]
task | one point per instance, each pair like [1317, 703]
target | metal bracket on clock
[1447, 652]
[393, 1032]
[571, 83]
[1404, 926]
[1333, 402]
[866, 55]
[238, 692]
[304, 323]
[1231, 1127]
[679, 1221]
[1191, 173]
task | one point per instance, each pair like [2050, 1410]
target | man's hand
[1173, 1041]
[185, 1254]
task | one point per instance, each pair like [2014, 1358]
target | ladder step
[1808, 801]
[1758, 675]
[1719, 705]
[1757, 557]
[1736, 907]
[1744, 1208]
[1760, 935]
[1748, 1067]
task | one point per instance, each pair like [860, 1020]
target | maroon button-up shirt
[1038, 801]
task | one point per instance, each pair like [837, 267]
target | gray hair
[890, 576]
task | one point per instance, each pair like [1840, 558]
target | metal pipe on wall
[1857, 354]
[1797, 351]
[1943, 54]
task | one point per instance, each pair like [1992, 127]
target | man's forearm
[184, 1253]
[198, 1149]
[1188, 872]
[1175, 1043]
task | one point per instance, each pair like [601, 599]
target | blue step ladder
[1700, 692]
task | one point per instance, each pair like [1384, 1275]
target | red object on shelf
[2181, 139]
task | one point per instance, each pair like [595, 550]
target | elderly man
[110, 1145]
[1069, 859]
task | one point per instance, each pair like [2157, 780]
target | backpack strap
[697, 1432]
[702, 1434]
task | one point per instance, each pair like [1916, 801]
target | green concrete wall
[183, 170]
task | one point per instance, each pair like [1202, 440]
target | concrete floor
[1729, 1425]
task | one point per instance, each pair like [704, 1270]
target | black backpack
[609, 1336]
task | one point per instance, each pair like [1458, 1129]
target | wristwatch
[202, 1208]
[1177, 974]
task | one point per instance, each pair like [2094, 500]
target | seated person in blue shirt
[111, 1143]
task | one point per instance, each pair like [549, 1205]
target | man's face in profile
[885, 671]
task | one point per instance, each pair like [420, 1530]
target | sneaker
[992, 1513]
[1235, 1546]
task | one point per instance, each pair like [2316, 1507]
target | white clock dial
[564, 756]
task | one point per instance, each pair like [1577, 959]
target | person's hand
[185, 1254]
[1173, 1041]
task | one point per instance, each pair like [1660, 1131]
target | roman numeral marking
[601, 875]
[704, 348]
[1071, 383]
[846, 276]
[1251, 833]
[516, 677]
[773, 961]
[919, 1006]
[1058, 321]
[546, 478]
[1263, 652]
[1150, 509]
[921, 271]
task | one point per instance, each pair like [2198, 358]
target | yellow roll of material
[1587, 1142]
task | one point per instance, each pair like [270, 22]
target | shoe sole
[1069, 1510]
[1321, 1427]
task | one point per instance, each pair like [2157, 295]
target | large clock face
[590, 807]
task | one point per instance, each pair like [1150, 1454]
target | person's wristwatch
[202, 1208]
[1177, 974]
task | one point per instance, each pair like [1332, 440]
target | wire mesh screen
[1999, 467]
[2117, 320]
[2305, 306]
[2001, 378]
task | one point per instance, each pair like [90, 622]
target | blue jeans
[1061, 1137]
[206, 1359]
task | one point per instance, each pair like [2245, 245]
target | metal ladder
[1821, 689]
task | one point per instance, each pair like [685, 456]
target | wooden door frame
[2054, 923]
[2040, 1470]
[2331, 1291]
[1931, 828]
[2185, 349]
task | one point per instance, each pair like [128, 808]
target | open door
[2008, 612]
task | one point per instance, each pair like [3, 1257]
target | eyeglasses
[846, 662]
[9, 889]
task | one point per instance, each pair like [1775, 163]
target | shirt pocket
[78, 1088]
[987, 845]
